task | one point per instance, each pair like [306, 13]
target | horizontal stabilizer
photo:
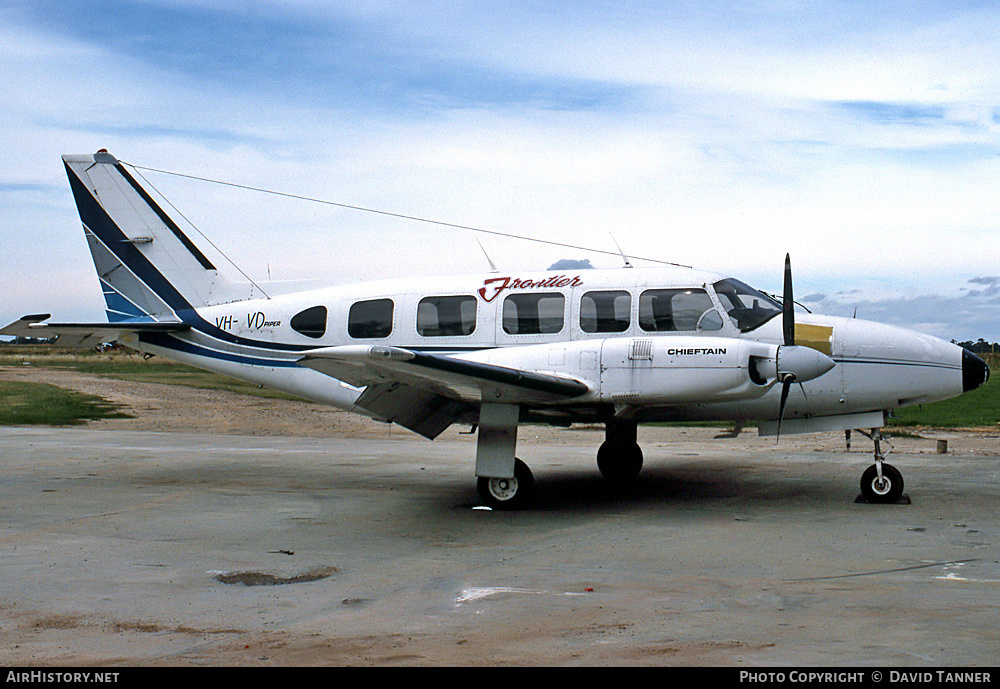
[84, 335]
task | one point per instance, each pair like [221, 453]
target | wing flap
[421, 411]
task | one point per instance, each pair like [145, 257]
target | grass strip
[979, 408]
[44, 404]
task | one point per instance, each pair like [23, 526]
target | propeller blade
[788, 305]
[786, 385]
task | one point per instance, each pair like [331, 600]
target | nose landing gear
[881, 483]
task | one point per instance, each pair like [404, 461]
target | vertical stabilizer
[149, 269]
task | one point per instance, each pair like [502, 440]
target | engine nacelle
[676, 370]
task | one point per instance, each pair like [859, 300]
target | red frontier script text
[492, 288]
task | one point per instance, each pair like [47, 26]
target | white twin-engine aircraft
[615, 347]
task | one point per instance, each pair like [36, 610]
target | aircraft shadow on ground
[683, 486]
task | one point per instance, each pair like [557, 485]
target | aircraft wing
[428, 392]
[83, 335]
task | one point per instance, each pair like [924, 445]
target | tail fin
[149, 269]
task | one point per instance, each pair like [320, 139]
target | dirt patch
[177, 409]
[268, 579]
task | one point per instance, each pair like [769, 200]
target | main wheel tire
[508, 493]
[885, 491]
[619, 463]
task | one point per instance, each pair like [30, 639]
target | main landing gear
[506, 483]
[619, 458]
[508, 493]
[881, 483]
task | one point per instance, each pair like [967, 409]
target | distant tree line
[980, 346]
[31, 341]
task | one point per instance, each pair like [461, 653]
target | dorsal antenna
[624, 257]
[493, 268]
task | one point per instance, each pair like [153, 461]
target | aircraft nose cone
[975, 372]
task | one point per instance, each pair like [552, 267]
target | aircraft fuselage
[604, 327]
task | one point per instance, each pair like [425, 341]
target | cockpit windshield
[748, 308]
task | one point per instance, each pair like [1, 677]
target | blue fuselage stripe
[186, 346]
[182, 344]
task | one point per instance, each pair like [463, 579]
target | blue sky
[862, 138]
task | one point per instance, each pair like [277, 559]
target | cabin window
[673, 310]
[372, 318]
[311, 322]
[533, 314]
[446, 316]
[605, 312]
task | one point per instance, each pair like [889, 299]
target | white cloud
[863, 143]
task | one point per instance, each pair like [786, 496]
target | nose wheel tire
[508, 493]
[882, 490]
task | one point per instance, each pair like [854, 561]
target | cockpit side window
[674, 310]
[748, 308]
